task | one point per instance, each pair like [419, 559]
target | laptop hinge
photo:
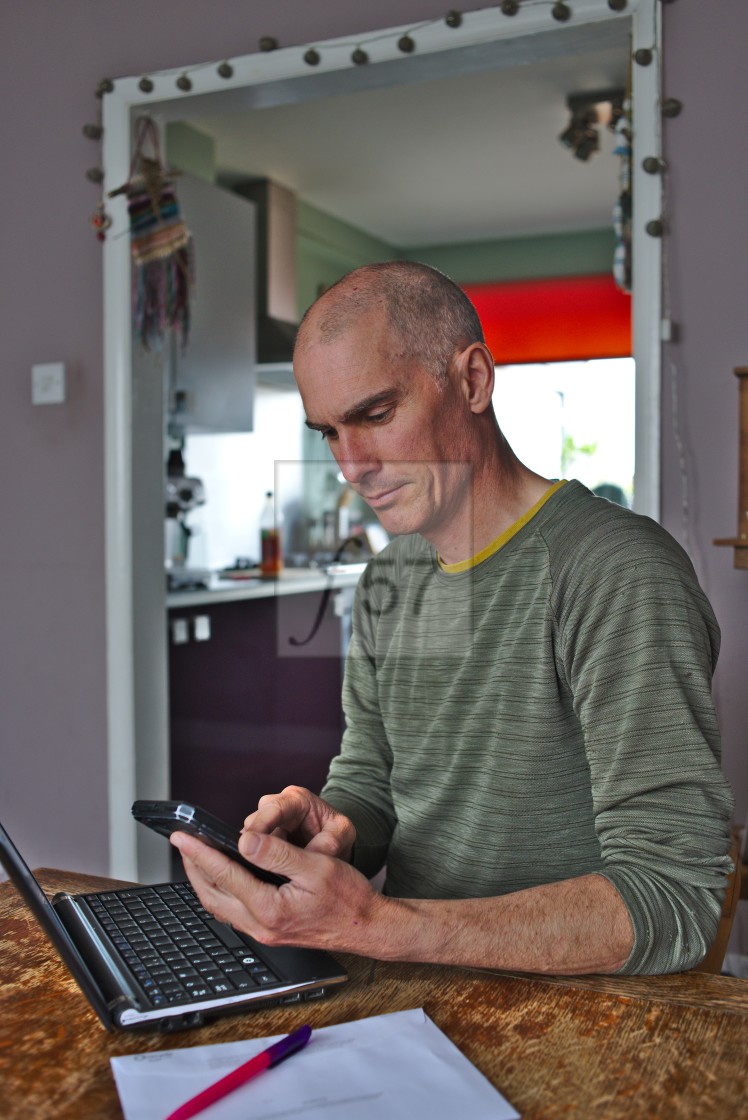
[116, 987]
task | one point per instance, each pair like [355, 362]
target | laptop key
[193, 983]
[241, 981]
[205, 937]
[198, 993]
[221, 959]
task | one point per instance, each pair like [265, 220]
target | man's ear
[477, 376]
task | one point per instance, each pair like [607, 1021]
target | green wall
[191, 150]
[328, 248]
[520, 258]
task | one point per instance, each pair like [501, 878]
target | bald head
[431, 317]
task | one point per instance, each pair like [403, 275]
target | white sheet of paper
[397, 1066]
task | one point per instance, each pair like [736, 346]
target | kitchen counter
[292, 581]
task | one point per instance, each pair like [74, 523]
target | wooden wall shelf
[740, 542]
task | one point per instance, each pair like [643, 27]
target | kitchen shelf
[292, 581]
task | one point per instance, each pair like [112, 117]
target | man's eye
[380, 417]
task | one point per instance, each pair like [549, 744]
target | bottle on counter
[271, 541]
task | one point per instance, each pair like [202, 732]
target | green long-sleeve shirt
[539, 716]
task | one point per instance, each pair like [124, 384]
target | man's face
[400, 439]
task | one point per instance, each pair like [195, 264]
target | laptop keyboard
[175, 948]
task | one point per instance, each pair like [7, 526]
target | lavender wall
[52, 639]
[707, 253]
[52, 642]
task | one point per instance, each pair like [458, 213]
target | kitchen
[237, 468]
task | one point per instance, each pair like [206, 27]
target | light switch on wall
[48, 383]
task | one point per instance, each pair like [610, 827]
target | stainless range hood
[277, 317]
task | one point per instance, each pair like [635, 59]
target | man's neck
[500, 496]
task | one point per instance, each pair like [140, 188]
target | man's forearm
[575, 926]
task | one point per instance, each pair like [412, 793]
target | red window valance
[564, 319]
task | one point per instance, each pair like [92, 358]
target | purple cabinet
[251, 710]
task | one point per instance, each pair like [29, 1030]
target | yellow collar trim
[503, 538]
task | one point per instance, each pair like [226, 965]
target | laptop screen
[45, 914]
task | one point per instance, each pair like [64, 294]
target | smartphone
[179, 816]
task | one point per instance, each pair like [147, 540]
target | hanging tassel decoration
[622, 208]
[161, 246]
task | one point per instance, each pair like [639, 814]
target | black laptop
[151, 957]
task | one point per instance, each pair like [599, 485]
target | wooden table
[670, 1046]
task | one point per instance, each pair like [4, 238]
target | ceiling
[444, 160]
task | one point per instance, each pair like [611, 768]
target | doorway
[137, 755]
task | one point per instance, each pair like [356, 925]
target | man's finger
[218, 870]
[330, 842]
[211, 862]
[220, 883]
[272, 853]
[276, 811]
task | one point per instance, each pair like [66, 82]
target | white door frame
[253, 77]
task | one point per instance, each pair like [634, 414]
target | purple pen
[265, 1060]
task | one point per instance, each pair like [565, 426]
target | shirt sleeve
[358, 782]
[638, 644]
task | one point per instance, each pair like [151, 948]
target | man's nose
[354, 459]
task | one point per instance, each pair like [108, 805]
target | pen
[245, 1072]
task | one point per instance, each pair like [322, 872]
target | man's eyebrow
[392, 395]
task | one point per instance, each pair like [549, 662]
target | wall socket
[48, 383]
[201, 627]
[180, 631]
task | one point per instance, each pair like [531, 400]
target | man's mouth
[382, 497]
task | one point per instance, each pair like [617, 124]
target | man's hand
[306, 820]
[326, 904]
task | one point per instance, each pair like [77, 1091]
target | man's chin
[399, 511]
[398, 521]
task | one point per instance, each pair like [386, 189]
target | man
[531, 748]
